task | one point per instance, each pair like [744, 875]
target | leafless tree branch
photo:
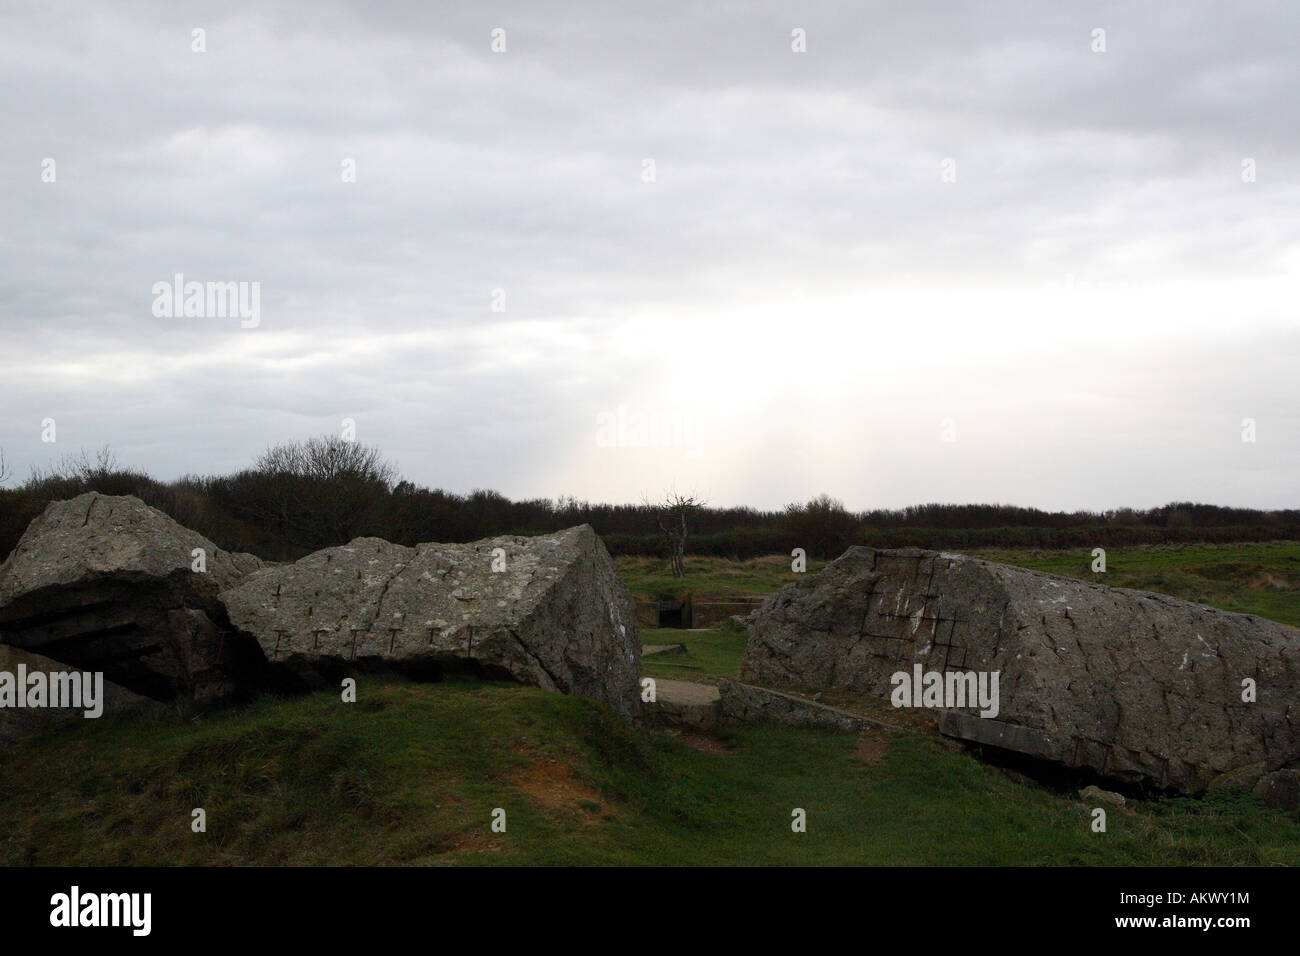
[672, 514]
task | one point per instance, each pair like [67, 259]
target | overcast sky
[952, 252]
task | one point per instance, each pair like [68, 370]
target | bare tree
[4, 468]
[328, 458]
[673, 514]
[80, 469]
[319, 492]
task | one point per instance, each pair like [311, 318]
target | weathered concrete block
[1280, 790]
[1130, 684]
[546, 610]
[685, 702]
[105, 583]
[708, 611]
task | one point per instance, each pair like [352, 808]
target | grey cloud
[784, 181]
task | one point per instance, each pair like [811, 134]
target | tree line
[298, 497]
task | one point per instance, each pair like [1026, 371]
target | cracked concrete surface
[105, 583]
[1130, 684]
[554, 615]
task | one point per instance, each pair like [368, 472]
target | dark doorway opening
[670, 616]
[675, 614]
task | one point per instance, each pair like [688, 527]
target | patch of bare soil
[551, 784]
[870, 750]
[701, 742]
[475, 841]
[1268, 580]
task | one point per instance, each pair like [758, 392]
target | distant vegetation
[301, 496]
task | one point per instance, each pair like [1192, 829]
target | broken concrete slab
[685, 702]
[1092, 795]
[107, 583]
[651, 650]
[1280, 789]
[1132, 685]
[545, 610]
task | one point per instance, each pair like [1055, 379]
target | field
[1251, 578]
[411, 773]
[1261, 579]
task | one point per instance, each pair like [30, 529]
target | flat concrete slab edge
[708, 707]
[650, 650]
[748, 703]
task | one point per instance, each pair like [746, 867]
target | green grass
[1252, 578]
[712, 653]
[412, 773]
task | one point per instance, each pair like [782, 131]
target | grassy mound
[411, 774]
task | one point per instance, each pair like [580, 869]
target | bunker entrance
[675, 614]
